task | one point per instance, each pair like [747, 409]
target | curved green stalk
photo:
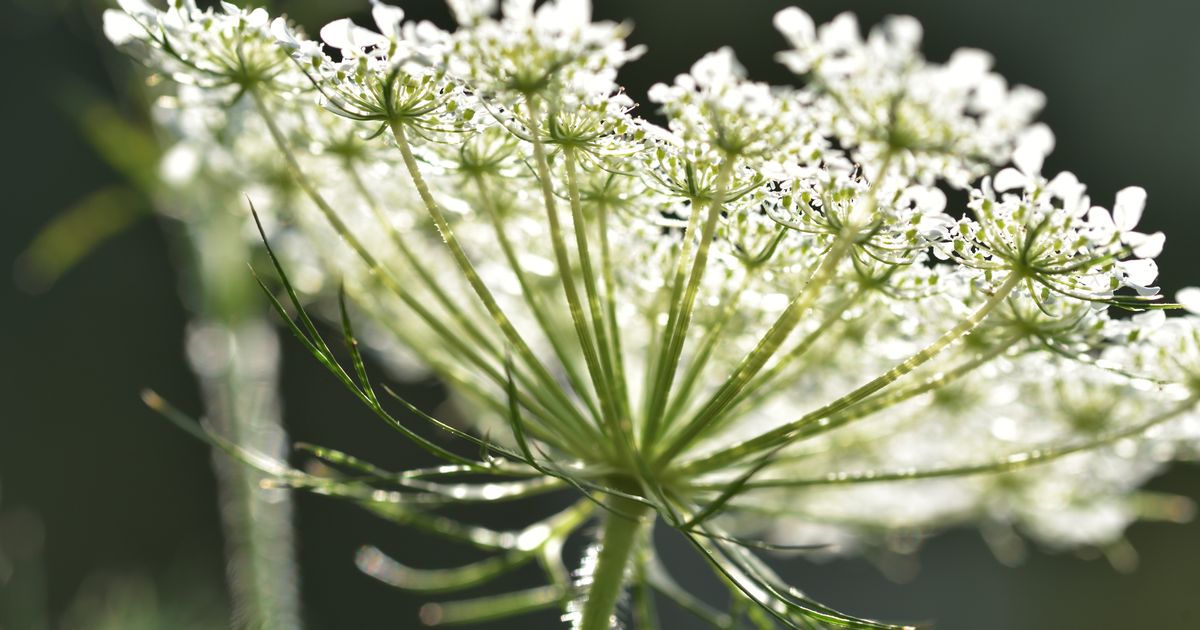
[384, 276]
[456, 311]
[592, 291]
[766, 347]
[610, 305]
[572, 418]
[562, 258]
[786, 432]
[753, 391]
[490, 607]
[393, 284]
[531, 297]
[1008, 463]
[656, 350]
[680, 316]
[465, 382]
[682, 396]
[874, 405]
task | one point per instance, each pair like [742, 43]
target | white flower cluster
[948, 120]
[767, 306]
[232, 48]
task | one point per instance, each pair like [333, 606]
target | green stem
[592, 291]
[233, 353]
[587, 343]
[339, 226]
[457, 312]
[681, 312]
[656, 350]
[237, 369]
[536, 306]
[789, 431]
[884, 401]
[756, 390]
[454, 341]
[571, 417]
[769, 344]
[683, 397]
[763, 350]
[622, 529]
[1008, 463]
[610, 305]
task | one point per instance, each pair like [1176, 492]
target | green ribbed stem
[621, 532]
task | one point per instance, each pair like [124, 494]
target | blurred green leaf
[76, 232]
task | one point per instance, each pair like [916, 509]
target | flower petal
[137, 7]
[796, 26]
[1128, 209]
[1189, 298]
[1032, 148]
[387, 18]
[1146, 246]
[120, 28]
[346, 36]
[1009, 179]
[1140, 275]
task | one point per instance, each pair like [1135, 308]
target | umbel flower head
[763, 325]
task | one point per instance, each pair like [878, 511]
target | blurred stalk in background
[232, 348]
[234, 353]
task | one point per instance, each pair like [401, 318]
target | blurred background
[108, 515]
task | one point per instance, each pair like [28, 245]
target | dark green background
[122, 494]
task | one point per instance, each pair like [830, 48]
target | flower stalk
[233, 352]
[624, 525]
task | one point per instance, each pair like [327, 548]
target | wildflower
[767, 308]
[718, 114]
[1050, 233]
[380, 76]
[555, 49]
[231, 48]
[947, 121]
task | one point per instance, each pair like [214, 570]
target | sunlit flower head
[763, 323]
